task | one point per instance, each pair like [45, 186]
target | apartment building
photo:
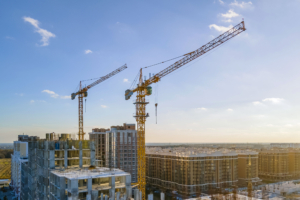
[121, 149]
[117, 147]
[294, 163]
[19, 156]
[247, 167]
[92, 183]
[54, 152]
[98, 135]
[190, 171]
[273, 165]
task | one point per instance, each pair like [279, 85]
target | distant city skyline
[244, 91]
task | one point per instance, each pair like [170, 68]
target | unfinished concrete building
[47, 154]
[190, 171]
[98, 135]
[247, 167]
[273, 165]
[93, 183]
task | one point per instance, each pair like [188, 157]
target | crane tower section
[82, 92]
[144, 89]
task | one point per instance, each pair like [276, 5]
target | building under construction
[191, 171]
[247, 167]
[54, 152]
[273, 165]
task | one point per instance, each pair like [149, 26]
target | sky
[246, 90]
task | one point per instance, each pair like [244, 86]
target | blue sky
[244, 91]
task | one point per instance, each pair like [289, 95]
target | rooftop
[98, 172]
[196, 152]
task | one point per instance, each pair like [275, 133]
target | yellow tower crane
[82, 92]
[143, 88]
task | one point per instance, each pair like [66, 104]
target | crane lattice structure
[82, 92]
[144, 88]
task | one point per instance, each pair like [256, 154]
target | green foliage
[6, 153]
[5, 198]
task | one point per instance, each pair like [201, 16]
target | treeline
[6, 153]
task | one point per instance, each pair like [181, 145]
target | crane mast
[144, 89]
[82, 92]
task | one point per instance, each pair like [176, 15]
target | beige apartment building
[273, 165]
[191, 171]
[248, 167]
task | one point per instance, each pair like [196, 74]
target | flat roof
[98, 172]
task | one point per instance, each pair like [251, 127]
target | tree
[5, 198]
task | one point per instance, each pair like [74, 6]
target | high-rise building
[117, 148]
[190, 171]
[19, 156]
[121, 149]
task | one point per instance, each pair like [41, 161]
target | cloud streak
[54, 95]
[242, 4]
[46, 35]
[220, 28]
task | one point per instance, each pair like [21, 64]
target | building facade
[247, 168]
[19, 156]
[121, 149]
[117, 148]
[273, 165]
[190, 171]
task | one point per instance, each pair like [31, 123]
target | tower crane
[82, 92]
[143, 88]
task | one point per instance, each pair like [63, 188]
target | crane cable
[163, 61]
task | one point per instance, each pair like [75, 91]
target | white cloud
[204, 109]
[273, 100]
[41, 101]
[54, 95]
[125, 80]
[103, 106]
[288, 125]
[65, 97]
[46, 35]
[88, 51]
[242, 4]
[220, 28]
[257, 103]
[221, 2]
[229, 109]
[230, 14]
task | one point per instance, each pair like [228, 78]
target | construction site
[115, 164]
